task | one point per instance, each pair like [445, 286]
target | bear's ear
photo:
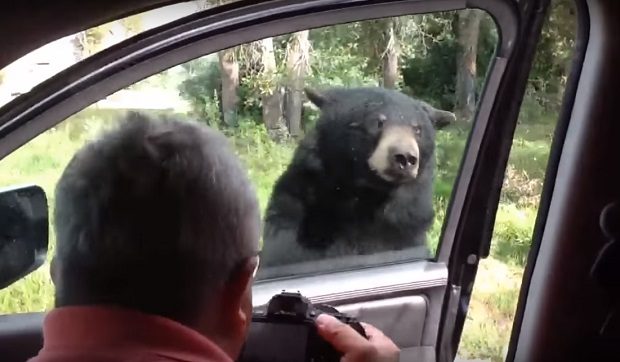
[442, 119]
[439, 118]
[316, 97]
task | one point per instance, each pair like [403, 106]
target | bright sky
[23, 74]
[167, 14]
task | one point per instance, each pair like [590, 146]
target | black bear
[360, 182]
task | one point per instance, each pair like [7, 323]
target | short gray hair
[153, 216]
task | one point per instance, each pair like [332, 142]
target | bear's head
[375, 136]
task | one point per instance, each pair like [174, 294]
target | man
[157, 237]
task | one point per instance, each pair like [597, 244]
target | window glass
[352, 135]
[494, 300]
[37, 66]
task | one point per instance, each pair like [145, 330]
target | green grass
[491, 311]
[487, 329]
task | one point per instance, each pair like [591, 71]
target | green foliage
[491, 309]
[432, 77]
[553, 54]
[487, 46]
[337, 59]
[430, 71]
[201, 85]
[133, 24]
[249, 92]
[512, 234]
[265, 160]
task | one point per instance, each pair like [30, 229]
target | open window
[264, 75]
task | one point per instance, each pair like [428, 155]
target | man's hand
[353, 346]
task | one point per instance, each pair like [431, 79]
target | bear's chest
[342, 204]
[338, 214]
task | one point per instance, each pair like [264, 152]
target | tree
[229, 70]
[554, 55]
[93, 40]
[90, 41]
[380, 44]
[132, 24]
[271, 95]
[390, 54]
[468, 30]
[297, 65]
[80, 46]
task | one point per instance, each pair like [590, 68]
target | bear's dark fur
[360, 182]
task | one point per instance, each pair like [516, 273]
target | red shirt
[92, 334]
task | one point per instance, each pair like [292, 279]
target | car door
[420, 302]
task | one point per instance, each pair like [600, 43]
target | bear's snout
[403, 159]
[397, 155]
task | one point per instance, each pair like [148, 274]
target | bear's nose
[405, 160]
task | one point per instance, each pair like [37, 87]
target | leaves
[352, 55]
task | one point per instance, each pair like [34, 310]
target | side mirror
[24, 232]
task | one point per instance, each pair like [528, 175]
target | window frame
[569, 97]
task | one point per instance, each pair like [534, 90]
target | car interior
[568, 301]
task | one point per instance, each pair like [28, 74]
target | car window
[494, 300]
[37, 66]
[352, 134]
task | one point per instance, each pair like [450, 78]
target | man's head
[159, 216]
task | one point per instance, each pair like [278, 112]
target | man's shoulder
[183, 357]
[121, 335]
[125, 356]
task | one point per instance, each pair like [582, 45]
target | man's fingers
[371, 331]
[386, 347]
[356, 348]
[340, 335]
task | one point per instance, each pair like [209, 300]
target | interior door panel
[402, 319]
[20, 336]
[403, 300]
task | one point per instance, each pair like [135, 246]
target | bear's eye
[354, 125]
[417, 130]
[381, 121]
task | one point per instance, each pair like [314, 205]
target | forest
[254, 94]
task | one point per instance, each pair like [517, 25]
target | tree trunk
[229, 70]
[229, 73]
[390, 55]
[468, 29]
[271, 98]
[80, 46]
[297, 63]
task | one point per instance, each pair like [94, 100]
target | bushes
[201, 87]
[512, 233]
[264, 159]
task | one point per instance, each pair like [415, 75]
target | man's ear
[317, 98]
[237, 293]
[231, 319]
